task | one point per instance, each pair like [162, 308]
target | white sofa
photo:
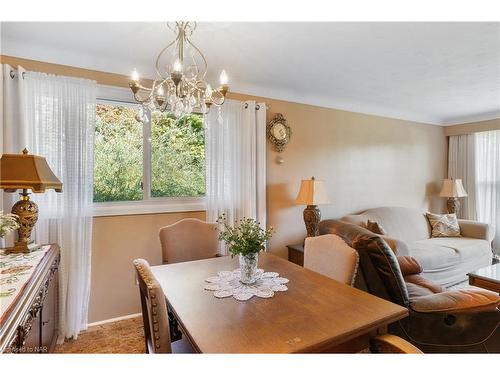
[445, 260]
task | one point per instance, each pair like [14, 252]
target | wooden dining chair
[189, 239]
[330, 256]
[155, 315]
[391, 344]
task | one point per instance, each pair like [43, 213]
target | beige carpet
[125, 336]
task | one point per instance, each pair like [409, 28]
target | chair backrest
[330, 256]
[189, 239]
[154, 310]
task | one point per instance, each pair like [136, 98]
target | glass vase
[248, 268]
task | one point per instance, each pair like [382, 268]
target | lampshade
[24, 171]
[452, 189]
[312, 192]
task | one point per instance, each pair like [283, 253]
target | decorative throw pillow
[444, 225]
[375, 227]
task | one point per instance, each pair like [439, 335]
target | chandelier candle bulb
[208, 91]
[135, 76]
[177, 66]
[223, 79]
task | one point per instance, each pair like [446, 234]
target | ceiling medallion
[180, 86]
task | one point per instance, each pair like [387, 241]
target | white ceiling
[440, 73]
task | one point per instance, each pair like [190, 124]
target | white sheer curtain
[475, 158]
[56, 120]
[487, 146]
[462, 164]
[12, 134]
[235, 144]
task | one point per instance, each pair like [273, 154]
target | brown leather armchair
[440, 321]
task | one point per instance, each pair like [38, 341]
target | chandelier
[180, 86]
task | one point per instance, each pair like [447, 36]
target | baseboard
[112, 320]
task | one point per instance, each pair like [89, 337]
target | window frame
[148, 204]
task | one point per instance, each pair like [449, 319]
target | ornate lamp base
[28, 215]
[312, 217]
[453, 205]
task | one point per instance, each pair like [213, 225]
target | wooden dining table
[315, 315]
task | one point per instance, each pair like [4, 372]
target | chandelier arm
[151, 91]
[222, 102]
[202, 56]
[157, 62]
[142, 100]
[163, 107]
[191, 26]
[171, 27]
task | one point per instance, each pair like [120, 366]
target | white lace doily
[227, 284]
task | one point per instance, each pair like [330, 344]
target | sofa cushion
[409, 265]
[444, 225]
[406, 224]
[375, 227]
[360, 220]
[447, 260]
[418, 286]
[457, 300]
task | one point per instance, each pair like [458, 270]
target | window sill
[153, 206]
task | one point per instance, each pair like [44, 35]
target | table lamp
[453, 189]
[24, 171]
[312, 192]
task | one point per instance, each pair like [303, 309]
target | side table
[296, 254]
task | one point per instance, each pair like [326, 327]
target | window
[118, 154]
[157, 165]
[177, 156]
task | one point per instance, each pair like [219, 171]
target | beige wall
[472, 127]
[117, 241]
[366, 161]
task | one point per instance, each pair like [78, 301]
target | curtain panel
[54, 117]
[462, 165]
[487, 149]
[235, 147]
[475, 158]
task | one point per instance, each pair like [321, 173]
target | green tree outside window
[177, 155]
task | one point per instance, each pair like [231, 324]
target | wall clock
[279, 132]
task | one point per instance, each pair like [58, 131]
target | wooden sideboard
[296, 253]
[30, 325]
